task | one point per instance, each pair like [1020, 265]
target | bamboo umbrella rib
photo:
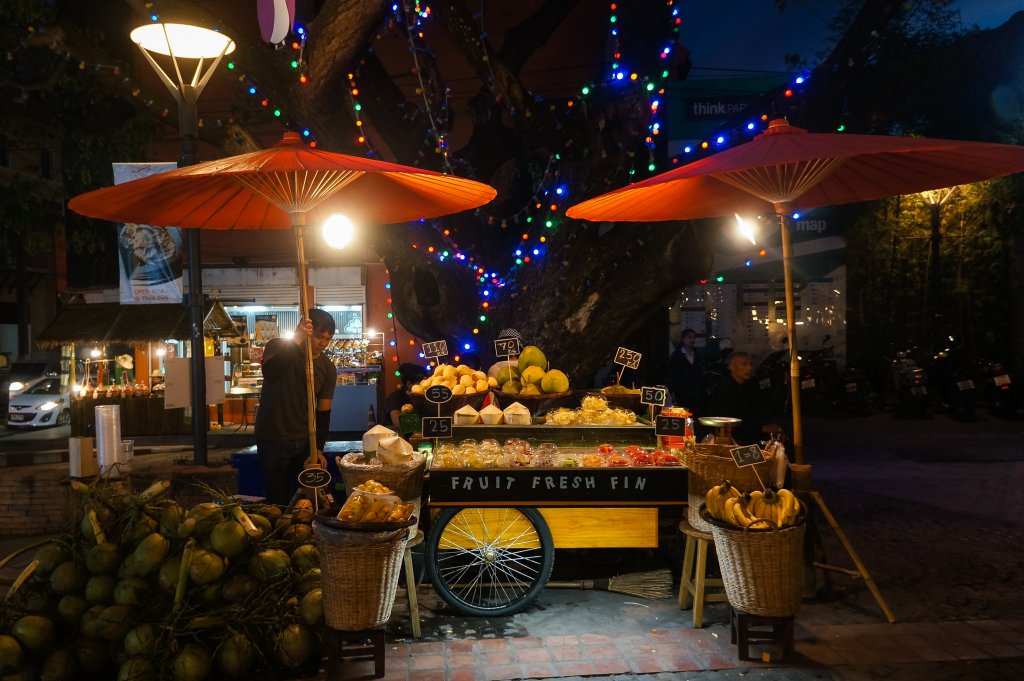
[782, 183]
[297, 192]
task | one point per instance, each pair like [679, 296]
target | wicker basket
[406, 479]
[763, 570]
[359, 580]
[710, 464]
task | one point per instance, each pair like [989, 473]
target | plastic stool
[693, 582]
[355, 646]
[746, 629]
[410, 583]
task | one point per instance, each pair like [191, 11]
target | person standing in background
[686, 374]
[411, 374]
[282, 421]
[738, 396]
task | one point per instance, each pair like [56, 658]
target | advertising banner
[150, 258]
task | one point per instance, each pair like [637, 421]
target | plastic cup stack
[109, 450]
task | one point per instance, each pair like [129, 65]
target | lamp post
[184, 42]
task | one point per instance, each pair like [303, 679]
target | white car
[43, 402]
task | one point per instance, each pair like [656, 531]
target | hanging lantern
[276, 19]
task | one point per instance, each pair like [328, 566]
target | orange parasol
[786, 169]
[279, 188]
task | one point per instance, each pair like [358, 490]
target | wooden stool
[410, 583]
[692, 581]
[746, 629]
[355, 646]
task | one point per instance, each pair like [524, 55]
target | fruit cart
[491, 545]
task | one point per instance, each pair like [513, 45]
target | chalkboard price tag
[314, 477]
[438, 394]
[670, 425]
[654, 396]
[437, 426]
[746, 456]
[435, 349]
[627, 358]
[507, 347]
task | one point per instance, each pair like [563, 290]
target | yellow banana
[729, 514]
[790, 507]
[756, 503]
[710, 500]
[742, 514]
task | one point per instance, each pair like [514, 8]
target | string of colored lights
[414, 30]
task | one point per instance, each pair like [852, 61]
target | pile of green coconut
[142, 589]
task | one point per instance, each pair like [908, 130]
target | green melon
[34, 633]
[236, 655]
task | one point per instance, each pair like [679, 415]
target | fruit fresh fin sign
[438, 394]
[627, 358]
[746, 456]
[435, 349]
[314, 477]
[653, 396]
[507, 347]
[437, 426]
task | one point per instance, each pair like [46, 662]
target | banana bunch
[725, 503]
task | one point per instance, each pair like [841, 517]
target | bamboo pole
[298, 224]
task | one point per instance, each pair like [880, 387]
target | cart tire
[489, 561]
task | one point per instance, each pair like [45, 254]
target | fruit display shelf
[563, 436]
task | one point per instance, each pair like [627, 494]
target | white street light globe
[745, 229]
[182, 40]
[338, 231]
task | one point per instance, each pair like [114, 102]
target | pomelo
[531, 356]
[532, 374]
[554, 381]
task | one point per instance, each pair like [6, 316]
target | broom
[654, 584]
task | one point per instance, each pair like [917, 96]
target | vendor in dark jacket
[411, 374]
[738, 396]
[282, 421]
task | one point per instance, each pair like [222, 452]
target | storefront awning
[107, 323]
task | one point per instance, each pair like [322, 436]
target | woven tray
[709, 465]
[763, 571]
[359, 582]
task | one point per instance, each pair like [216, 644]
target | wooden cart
[493, 535]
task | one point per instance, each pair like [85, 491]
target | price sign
[435, 349]
[627, 358]
[746, 456]
[670, 425]
[438, 394]
[653, 396]
[437, 426]
[314, 477]
[507, 347]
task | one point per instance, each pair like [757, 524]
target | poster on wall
[150, 258]
[266, 328]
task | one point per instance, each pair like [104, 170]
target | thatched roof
[107, 323]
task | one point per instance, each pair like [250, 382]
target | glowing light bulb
[338, 231]
[745, 229]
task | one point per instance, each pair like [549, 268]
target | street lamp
[179, 42]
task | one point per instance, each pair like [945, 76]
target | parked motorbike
[998, 388]
[858, 393]
[953, 382]
[818, 378]
[910, 383]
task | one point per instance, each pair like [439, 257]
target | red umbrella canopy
[790, 168]
[260, 189]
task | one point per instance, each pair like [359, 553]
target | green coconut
[100, 589]
[103, 558]
[167, 579]
[136, 669]
[305, 558]
[238, 587]
[311, 579]
[262, 524]
[115, 621]
[34, 633]
[141, 640]
[228, 538]
[89, 625]
[50, 556]
[11, 653]
[298, 533]
[105, 517]
[28, 671]
[92, 653]
[68, 578]
[236, 655]
[170, 518]
[294, 644]
[211, 593]
[269, 564]
[127, 568]
[72, 608]
[192, 663]
[131, 591]
[311, 607]
[61, 665]
[150, 553]
[205, 567]
[143, 526]
[205, 517]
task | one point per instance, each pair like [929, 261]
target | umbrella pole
[794, 359]
[298, 223]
